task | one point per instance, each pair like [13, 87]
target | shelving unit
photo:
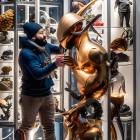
[15, 32]
[111, 31]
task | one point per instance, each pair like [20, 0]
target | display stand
[23, 11]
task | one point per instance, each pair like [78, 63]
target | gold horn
[81, 11]
[53, 19]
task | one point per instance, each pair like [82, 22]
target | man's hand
[59, 59]
[115, 9]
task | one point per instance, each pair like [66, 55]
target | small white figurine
[47, 27]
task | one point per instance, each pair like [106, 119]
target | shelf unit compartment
[58, 98]
[56, 86]
[12, 79]
[11, 100]
[11, 73]
[127, 72]
[129, 54]
[115, 19]
[103, 33]
[7, 133]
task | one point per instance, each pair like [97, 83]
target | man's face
[40, 38]
[114, 69]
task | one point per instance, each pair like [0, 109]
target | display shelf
[31, 3]
[99, 27]
[7, 3]
[6, 75]
[6, 61]
[10, 29]
[123, 27]
[57, 93]
[124, 63]
[57, 116]
[49, 3]
[12, 44]
[123, 120]
[54, 93]
[6, 123]
[6, 91]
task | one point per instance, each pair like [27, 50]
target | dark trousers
[45, 108]
[127, 18]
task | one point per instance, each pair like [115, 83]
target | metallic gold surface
[90, 72]
[119, 44]
[67, 22]
[94, 79]
[93, 133]
[118, 100]
[94, 122]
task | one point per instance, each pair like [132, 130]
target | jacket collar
[36, 45]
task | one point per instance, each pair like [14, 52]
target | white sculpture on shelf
[47, 27]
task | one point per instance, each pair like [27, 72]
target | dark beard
[40, 42]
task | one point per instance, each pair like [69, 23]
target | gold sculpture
[90, 72]
[6, 20]
[119, 44]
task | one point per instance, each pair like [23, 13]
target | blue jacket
[35, 81]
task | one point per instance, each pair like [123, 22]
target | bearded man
[37, 68]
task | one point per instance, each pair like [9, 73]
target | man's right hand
[59, 59]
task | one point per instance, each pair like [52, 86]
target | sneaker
[7, 55]
[122, 57]
[124, 108]
[126, 114]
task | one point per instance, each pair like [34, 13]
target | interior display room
[26, 10]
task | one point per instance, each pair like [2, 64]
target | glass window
[20, 12]
[42, 20]
[7, 133]
[31, 13]
[55, 1]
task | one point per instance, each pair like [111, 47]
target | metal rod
[15, 66]
[109, 76]
[37, 13]
[134, 70]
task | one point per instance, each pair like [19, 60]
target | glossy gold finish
[67, 22]
[53, 19]
[118, 100]
[90, 72]
[94, 122]
[93, 133]
[119, 44]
